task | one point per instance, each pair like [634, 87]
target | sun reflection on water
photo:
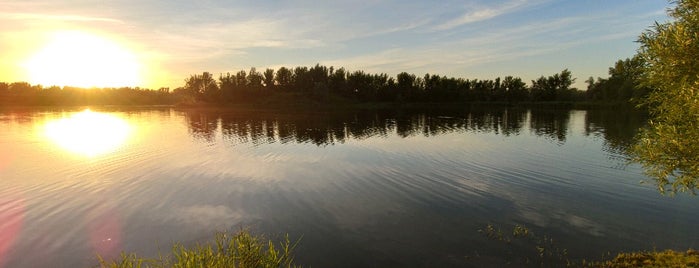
[88, 133]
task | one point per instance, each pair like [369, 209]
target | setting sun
[73, 58]
[88, 133]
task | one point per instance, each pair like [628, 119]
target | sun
[75, 58]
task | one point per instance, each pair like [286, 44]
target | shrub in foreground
[238, 250]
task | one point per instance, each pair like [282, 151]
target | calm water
[369, 188]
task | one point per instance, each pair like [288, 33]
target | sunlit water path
[367, 188]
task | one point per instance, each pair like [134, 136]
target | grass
[239, 250]
[244, 250]
[667, 258]
[550, 255]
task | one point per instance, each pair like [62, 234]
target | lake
[358, 188]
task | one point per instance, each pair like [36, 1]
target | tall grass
[239, 250]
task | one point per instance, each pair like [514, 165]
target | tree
[669, 148]
[241, 79]
[541, 90]
[4, 87]
[626, 76]
[269, 78]
[319, 79]
[405, 86]
[515, 89]
[301, 79]
[623, 84]
[202, 87]
[254, 79]
[283, 77]
[227, 84]
[338, 81]
[555, 87]
[562, 85]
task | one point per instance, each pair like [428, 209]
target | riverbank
[244, 249]
[299, 101]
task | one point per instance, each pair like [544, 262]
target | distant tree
[254, 79]
[319, 74]
[241, 79]
[202, 87]
[515, 89]
[552, 88]
[626, 76]
[381, 89]
[338, 81]
[405, 83]
[283, 78]
[432, 89]
[360, 84]
[19, 88]
[301, 79]
[227, 84]
[319, 79]
[4, 87]
[562, 84]
[623, 83]
[269, 78]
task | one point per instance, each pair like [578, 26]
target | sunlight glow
[88, 133]
[74, 58]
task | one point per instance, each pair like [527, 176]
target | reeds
[239, 250]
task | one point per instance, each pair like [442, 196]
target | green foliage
[22, 93]
[623, 84]
[669, 148]
[283, 77]
[667, 258]
[241, 250]
[202, 86]
[318, 83]
[269, 77]
[549, 255]
[254, 79]
[554, 88]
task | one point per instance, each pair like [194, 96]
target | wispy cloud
[498, 45]
[40, 16]
[217, 44]
[481, 14]
[460, 56]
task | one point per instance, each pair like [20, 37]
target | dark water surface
[365, 188]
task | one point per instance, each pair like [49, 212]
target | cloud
[455, 54]
[207, 216]
[40, 16]
[502, 45]
[553, 216]
[482, 14]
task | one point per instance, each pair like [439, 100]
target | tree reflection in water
[617, 128]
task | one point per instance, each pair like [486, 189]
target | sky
[173, 39]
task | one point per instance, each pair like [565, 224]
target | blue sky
[470, 39]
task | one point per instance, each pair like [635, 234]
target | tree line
[23, 93]
[623, 84]
[322, 82]
[330, 84]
